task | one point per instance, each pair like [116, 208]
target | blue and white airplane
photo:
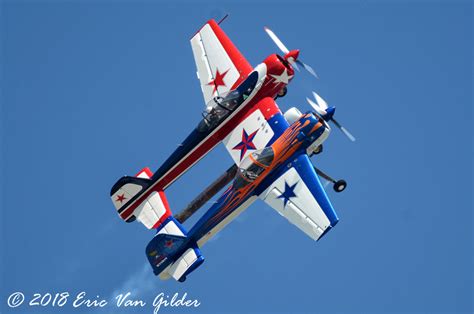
[270, 149]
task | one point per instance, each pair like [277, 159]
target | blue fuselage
[294, 141]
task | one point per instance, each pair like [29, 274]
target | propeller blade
[322, 103]
[276, 40]
[308, 68]
[349, 135]
[316, 107]
[344, 130]
[295, 65]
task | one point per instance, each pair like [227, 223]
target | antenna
[222, 19]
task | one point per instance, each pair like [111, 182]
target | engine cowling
[292, 115]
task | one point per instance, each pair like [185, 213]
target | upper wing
[220, 65]
[297, 194]
[258, 129]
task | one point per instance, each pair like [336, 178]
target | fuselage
[266, 80]
[264, 165]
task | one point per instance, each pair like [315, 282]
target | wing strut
[222, 19]
[339, 185]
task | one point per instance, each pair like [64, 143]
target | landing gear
[282, 92]
[131, 219]
[338, 186]
[318, 150]
[182, 279]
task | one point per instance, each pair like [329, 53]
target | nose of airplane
[292, 55]
[329, 113]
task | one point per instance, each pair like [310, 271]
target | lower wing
[297, 194]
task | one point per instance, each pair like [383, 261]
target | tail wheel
[340, 186]
[131, 219]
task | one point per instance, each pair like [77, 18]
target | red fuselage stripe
[192, 158]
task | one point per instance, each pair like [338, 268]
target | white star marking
[282, 78]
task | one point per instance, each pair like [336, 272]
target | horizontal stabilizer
[151, 210]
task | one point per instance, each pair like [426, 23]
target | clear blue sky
[93, 91]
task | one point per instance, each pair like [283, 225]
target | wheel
[182, 279]
[318, 150]
[340, 186]
[282, 92]
[131, 219]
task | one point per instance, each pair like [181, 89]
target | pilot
[251, 175]
[209, 109]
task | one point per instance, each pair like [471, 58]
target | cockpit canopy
[252, 166]
[221, 106]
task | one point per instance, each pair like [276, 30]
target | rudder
[171, 254]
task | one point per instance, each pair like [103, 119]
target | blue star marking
[288, 193]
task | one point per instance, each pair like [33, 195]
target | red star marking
[218, 80]
[169, 243]
[120, 198]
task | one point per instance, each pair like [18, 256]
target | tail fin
[171, 253]
[127, 193]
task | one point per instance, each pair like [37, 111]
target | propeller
[289, 54]
[326, 112]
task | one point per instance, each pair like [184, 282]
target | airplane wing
[298, 195]
[220, 65]
[257, 130]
